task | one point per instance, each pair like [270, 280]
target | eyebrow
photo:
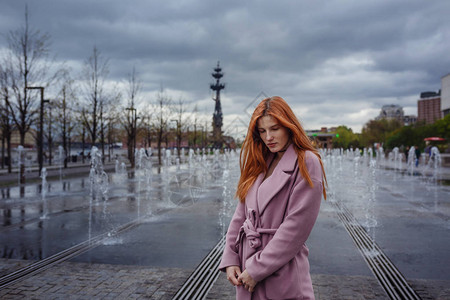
[269, 127]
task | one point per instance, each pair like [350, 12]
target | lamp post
[41, 126]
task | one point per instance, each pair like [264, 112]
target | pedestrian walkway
[70, 280]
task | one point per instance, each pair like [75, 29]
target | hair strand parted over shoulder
[254, 152]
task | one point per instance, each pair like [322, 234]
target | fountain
[87, 207]
[395, 209]
[191, 157]
[380, 155]
[411, 162]
[44, 193]
[98, 177]
[61, 158]
[435, 158]
[396, 158]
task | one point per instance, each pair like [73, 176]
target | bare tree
[65, 113]
[162, 115]
[146, 126]
[95, 72]
[180, 112]
[83, 133]
[29, 62]
[205, 142]
[107, 111]
[80, 130]
[6, 122]
[131, 115]
[196, 125]
[112, 130]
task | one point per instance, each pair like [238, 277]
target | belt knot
[253, 236]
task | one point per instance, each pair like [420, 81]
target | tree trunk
[159, 146]
[8, 145]
[83, 144]
[3, 152]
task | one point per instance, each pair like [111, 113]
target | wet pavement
[406, 215]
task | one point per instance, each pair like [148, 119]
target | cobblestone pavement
[332, 287]
[70, 280]
[98, 281]
[326, 287]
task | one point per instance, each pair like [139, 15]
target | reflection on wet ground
[184, 210]
[407, 215]
[172, 203]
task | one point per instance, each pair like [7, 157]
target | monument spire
[217, 116]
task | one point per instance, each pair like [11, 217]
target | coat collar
[273, 184]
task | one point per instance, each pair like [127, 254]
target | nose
[269, 136]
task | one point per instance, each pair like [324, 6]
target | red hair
[254, 152]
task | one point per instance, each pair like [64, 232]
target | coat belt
[252, 233]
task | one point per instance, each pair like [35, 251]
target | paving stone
[100, 281]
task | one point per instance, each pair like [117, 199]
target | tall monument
[217, 117]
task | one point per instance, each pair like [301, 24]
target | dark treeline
[392, 133]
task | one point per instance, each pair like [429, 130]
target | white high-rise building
[391, 111]
[445, 95]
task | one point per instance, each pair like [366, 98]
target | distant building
[321, 138]
[30, 141]
[395, 112]
[429, 107]
[445, 95]
[409, 120]
[391, 112]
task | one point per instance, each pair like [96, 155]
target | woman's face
[275, 136]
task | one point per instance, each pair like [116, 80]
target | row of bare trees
[86, 108]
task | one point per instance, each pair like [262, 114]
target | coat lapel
[280, 176]
[251, 198]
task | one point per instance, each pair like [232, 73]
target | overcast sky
[335, 62]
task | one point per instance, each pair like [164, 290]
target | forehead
[267, 121]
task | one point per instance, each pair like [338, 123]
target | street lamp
[41, 126]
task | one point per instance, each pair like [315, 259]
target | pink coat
[267, 233]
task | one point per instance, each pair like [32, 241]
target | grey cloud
[312, 52]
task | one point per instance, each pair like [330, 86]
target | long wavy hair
[254, 152]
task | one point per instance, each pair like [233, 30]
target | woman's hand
[233, 272]
[248, 282]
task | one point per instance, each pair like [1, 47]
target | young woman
[280, 189]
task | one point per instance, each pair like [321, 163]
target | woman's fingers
[233, 273]
[247, 281]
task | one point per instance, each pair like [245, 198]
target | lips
[271, 145]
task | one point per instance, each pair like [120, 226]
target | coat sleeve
[230, 255]
[302, 212]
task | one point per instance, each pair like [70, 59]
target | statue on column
[217, 116]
